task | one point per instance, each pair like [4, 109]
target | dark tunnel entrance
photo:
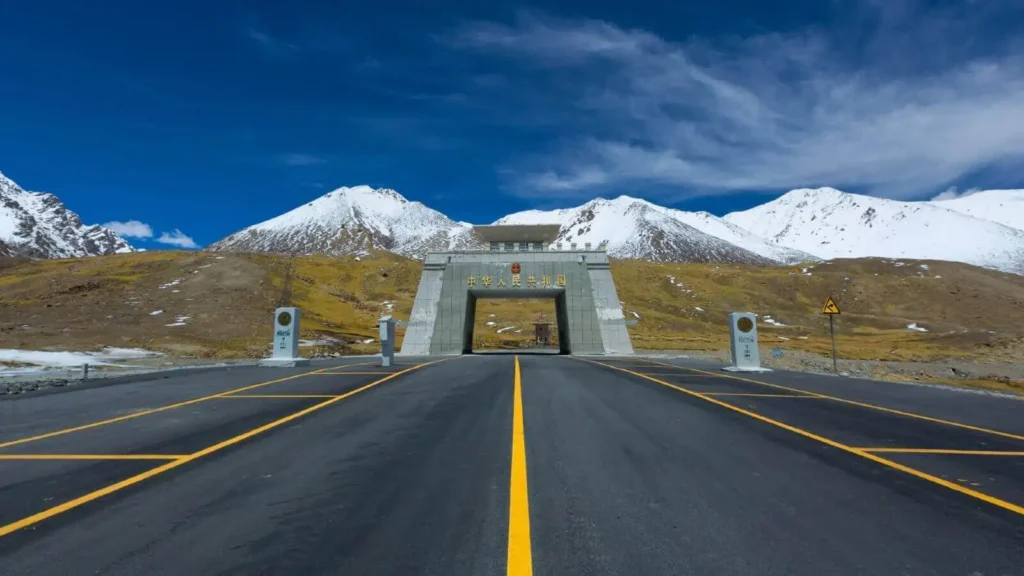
[561, 313]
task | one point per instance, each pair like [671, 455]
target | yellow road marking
[852, 402]
[520, 555]
[160, 409]
[943, 451]
[92, 456]
[859, 452]
[756, 395]
[71, 504]
[282, 396]
[350, 373]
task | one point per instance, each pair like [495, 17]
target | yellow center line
[943, 451]
[71, 504]
[159, 409]
[859, 452]
[520, 555]
[92, 456]
[350, 373]
[852, 402]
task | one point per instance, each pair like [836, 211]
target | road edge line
[96, 494]
[807, 434]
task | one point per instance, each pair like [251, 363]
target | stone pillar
[286, 340]
[743, 339]
[387, 341]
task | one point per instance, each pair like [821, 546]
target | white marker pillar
[286, 340]
[387, 341]
[743, 337]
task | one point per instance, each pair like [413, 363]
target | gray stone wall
[588, 305]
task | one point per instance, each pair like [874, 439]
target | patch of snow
[698, 308]
[368, 341]
[634, 314]
[782, 338]
[899, 264]
[937, 276]
[923, 266]
[175, 324]
[175, 291]
[156, 312]
[324, 341]
[358, 259]
[205, 266]
[914, 326]
[73, 359]
[219, 258]
[802, 337]
[169, 284]
[500, 330]
[491, 324]
[770, 320]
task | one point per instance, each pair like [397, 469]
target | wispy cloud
[951, 193]
[130, 229]
[914, 108]
[270, 43]
[299, 159]
[177, 238]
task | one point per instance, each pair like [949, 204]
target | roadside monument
[743, 340]
[285, 352]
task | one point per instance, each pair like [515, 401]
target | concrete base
[739, 369]
[284, 362]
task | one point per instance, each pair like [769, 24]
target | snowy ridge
[1003, 206]
[38, 225]
[353, 220]
[635, 228]
[833, 224]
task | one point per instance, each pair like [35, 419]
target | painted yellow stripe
[756, 395]
[859, 452]
[92, 456]
[281, 396]
[352, 373]
[520, 555]
[71, 504]
[943, 451]
[852, 402]
[155, 410]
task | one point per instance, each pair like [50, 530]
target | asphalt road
[494, 464]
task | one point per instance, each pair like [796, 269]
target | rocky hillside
[39, 225]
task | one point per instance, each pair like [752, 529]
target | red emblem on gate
[515, 268]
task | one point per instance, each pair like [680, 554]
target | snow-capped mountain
[38, 225]
[635, 228]
[1003, 206]
[353, 220]
[834, 224]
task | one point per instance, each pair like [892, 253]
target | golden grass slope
[228, 299]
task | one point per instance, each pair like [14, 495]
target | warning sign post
[832, 309]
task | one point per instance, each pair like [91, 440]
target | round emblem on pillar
[284, 318]
[745, 324]
[515, 268]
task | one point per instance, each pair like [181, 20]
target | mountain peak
[38, 224]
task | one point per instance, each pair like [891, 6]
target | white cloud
[297, 159]
[767, 112]
[130, 229]
[177, 238]
[951, 193]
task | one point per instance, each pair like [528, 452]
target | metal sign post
[831, 309]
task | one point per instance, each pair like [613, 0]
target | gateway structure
[520, 262]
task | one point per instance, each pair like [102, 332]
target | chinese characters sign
[532, 281]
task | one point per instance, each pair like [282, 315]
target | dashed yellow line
[851, 402]
[160, 409]
[859, 452]
[520, 555]
[75, 503]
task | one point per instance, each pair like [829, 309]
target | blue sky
[205, 117]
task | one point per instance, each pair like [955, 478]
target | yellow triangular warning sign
[830, 307]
